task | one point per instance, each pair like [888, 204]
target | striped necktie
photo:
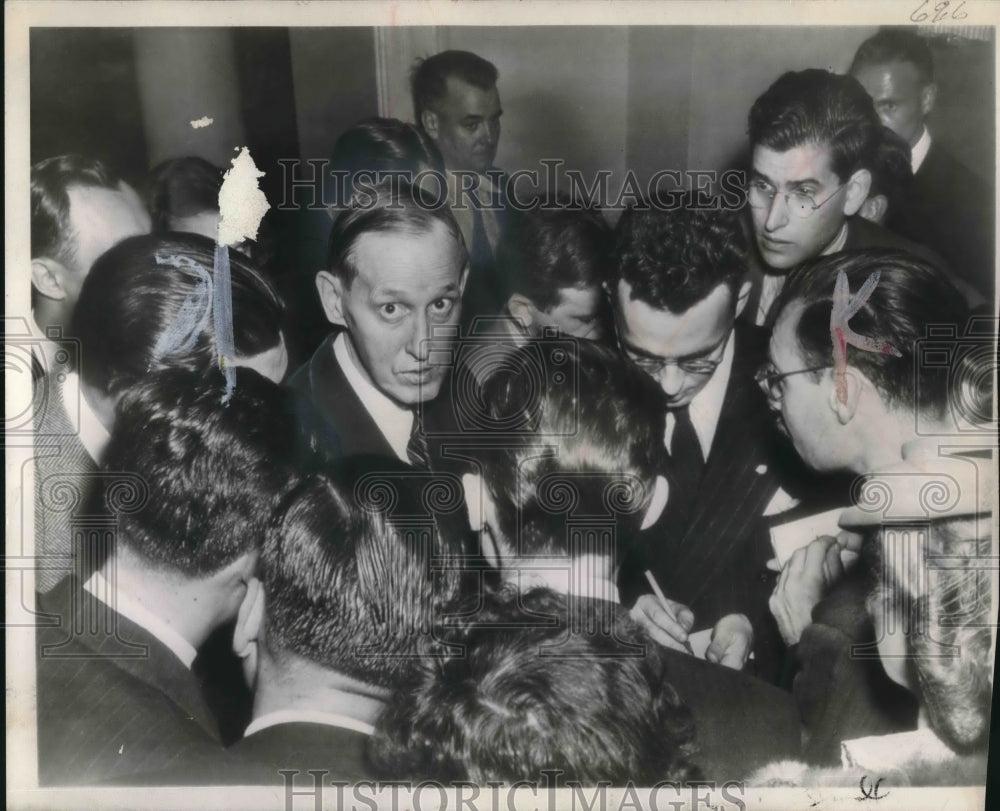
[416, 448]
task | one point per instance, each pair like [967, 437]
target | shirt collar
[838, 241]
[345, 709]
[394, 421]
[91, 431]
[569, 582]
[132, 609]
[919, 150]
[706, 406]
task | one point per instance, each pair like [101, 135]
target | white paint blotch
[242, 204]
[204, 121]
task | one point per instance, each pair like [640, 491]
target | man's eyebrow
[643, 353]
[758, 175]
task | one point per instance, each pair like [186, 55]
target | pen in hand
[666, 605]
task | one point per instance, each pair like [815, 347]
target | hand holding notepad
[789, 537]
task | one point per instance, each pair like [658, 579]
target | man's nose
[777, 214]
[419, 345]
[671, 379]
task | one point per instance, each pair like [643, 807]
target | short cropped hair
[674, 259]
[214, 472]
[141, 291]
[347, 587]
[384, 145]
[393, 206]
[817, 107]
[910, 295]
[182, 187]
[504, 711]
[603, 418]
[51, 180]
[428, 81]
[896, 45]
[549, 250]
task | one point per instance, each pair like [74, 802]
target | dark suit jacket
[260, 758]
[113, 700]
[950, 209]
[714, 561]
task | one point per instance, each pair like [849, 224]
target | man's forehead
[408, 257]
[468, 99]
[889, 77]
[668, 334]
[808, 161]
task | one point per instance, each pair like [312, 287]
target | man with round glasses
[815, 139]
[678, 287]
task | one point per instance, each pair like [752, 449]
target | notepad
[786, 538]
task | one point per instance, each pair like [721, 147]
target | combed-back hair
[390, 206]
[428, 80]
[381, 145]
[818, 108]
[214, 472]
[674, 259]
[586, 424]
[145, 288]
[182, 187]
[347, 586]
[911, 295]
[51, 234]
[503, 710]
[896, 45]
[551, 249]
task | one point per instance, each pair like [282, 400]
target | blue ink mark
[222, 316]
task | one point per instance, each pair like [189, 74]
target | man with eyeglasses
[815, 139]
[678, 288]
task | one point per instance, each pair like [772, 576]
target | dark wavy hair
[503, 710]
[214, 472]
[349, 585]
[603, 424]
[428, 80]
[384, 145]
[182, 187]
[674, 259]
[818, 107]
[51, 235]
[146, 286]
[892, 172]
[548, 250]
[910, 296]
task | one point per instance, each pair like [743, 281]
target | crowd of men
[514, 514]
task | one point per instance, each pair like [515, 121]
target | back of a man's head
[147, 305]
[583, 424]
[214, 472]
[891, 45]
[820, 108]
[910, 296]
[672, 260]
[428, 82]
[347, 588]
[518, 701]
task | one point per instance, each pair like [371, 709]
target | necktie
[416, 448]
[685, 449]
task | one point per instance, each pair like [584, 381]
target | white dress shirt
[394, 421]
[706, 406]
[302, 716]
[919, 150]
[132, 609]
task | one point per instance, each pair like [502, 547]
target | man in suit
[865, 413]
[347, 598]
[815, 139]
[949, 208]
[394, 282]
[456, 102]
[678, 290]
[197, 481]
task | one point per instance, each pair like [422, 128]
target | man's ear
[429, 120]
[249, 619]
[520, 306]
[928, 97]
[858, 186]
[846, 409]
[742, 297]
[875, 208]
[656, 506]
[331, 295]
[46, 278]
